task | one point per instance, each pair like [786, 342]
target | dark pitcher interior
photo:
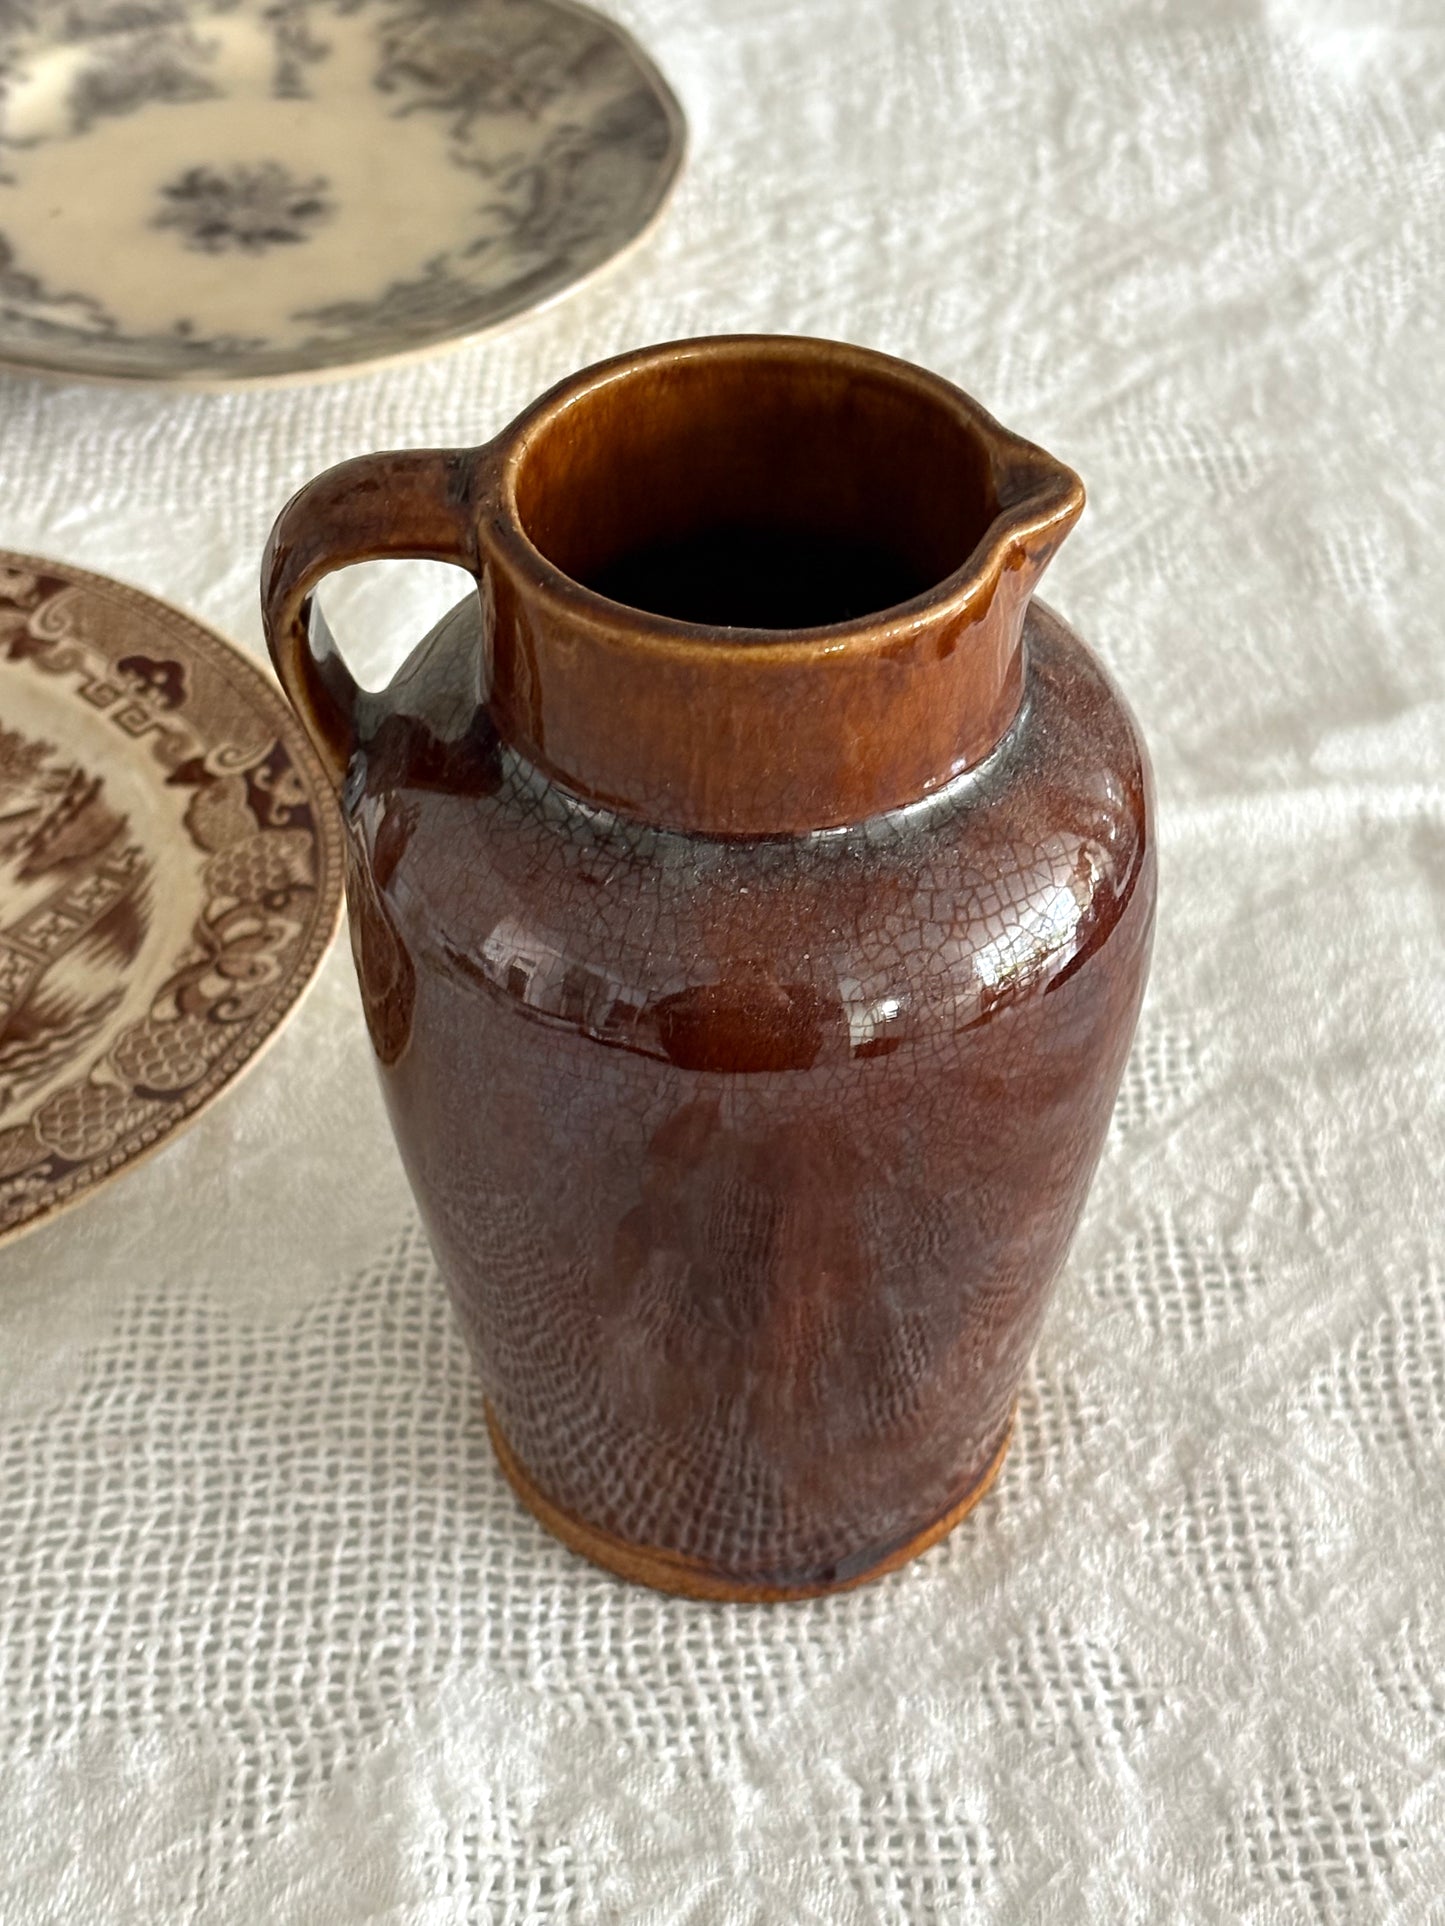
[758, 492]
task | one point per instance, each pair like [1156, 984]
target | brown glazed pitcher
[751, 890]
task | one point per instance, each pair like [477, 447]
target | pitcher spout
[645, 509]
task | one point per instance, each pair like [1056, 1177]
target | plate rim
[59, 374]
[331, 891]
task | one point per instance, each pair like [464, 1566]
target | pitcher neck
[735, 731]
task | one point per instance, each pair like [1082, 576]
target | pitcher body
[749, 1000]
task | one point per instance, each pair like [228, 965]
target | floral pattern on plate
[293, 187]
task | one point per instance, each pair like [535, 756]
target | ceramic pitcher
[751, 890]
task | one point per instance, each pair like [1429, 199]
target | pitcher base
[667, 1571]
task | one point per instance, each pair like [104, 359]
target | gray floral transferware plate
[170, 877]
[214, 191]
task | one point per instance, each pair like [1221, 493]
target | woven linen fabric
[276, 1642]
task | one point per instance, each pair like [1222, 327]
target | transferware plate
[170, 877]
[218, 191]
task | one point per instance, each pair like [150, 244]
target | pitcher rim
[1039, 500]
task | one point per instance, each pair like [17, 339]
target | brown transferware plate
[170, 877]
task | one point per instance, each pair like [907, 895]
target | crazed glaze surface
[750, 1155]
[752, 1162]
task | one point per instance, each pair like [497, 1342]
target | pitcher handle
[417, 504]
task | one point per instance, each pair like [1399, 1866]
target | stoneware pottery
[751, 890]
[170, 877]
[230, 190]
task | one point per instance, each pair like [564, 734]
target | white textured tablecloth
[276, 1643]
